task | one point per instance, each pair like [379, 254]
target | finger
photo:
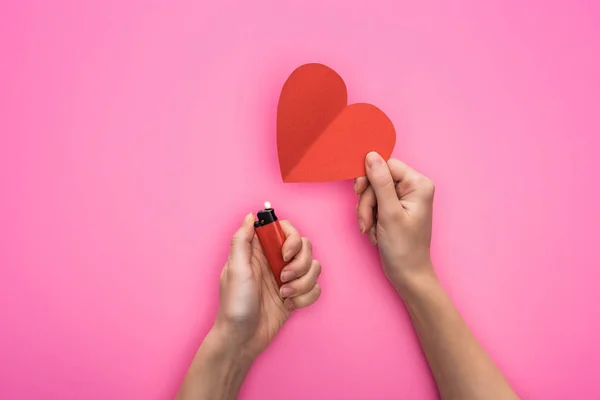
[293, 242]
[303, 284]
[403, 175]
[381, 181]
[373, 235]
[366, 204]
[240, 251]
[410, 182]
[300, 265]
[241, 243]
[399, 170]
[360, 184]
[304, 300]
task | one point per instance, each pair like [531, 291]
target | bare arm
[252, 309]
[217, 371]
[461, 367]
[401, 228]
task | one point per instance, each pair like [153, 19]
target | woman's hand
[252, 309]
[395, 210]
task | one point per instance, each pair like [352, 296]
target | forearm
[461, 367]
[216, 373]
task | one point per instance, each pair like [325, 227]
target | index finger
[293, 241]
[360, 184]
[410, 183]
[399, 170]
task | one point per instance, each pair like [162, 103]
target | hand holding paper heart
[322, 138]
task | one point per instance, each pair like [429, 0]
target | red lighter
[271, 238]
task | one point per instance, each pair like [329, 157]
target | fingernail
[362, 226]
[286, 291]
[354, 187]
[287, 276]
[248, 218]
[289, 304]
[287, 256]
[374, 159]
[373, 237]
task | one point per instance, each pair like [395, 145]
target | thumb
[241, 243]
[381, 180]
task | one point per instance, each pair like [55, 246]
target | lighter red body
[271, 238]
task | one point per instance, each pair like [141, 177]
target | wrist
[217, 371]
[416, 282]
[223, 344]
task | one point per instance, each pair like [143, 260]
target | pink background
[136, 135]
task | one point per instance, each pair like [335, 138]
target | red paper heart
[320, 137]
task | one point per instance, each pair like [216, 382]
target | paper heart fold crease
[322, 138]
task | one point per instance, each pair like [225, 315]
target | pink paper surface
[134, 137]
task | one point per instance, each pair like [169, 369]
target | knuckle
[424, 184]
[396, 215]
[362, 200]
[234, 240]
[298, 303]
[317, 292]
[308, 299]
[384, 180]
[429, 186]
[379, 176]
[306, 244]
[366, 201]
[286, 223]
[316, 265]
[424, 181]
